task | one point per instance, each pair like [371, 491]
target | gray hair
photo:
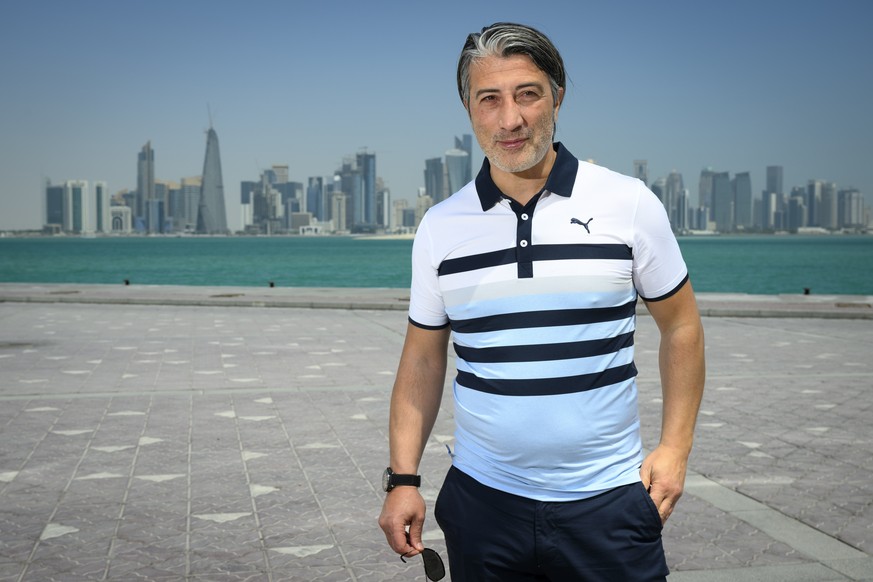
[505, 39]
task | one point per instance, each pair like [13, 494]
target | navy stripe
[547, 318]
[474, 262]
[427, 327]
[669, 293]
[548, 386]
[582, 251]
[538, 253]
[546, 352]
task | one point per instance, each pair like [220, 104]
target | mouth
[512, 144]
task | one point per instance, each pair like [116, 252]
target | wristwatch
[390, 480]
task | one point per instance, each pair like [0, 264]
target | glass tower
[211, 215]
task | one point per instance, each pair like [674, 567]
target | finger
[646, 477]
[397, 538]
[665, 509]
[414, 535]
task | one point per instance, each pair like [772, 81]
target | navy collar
[560, 181]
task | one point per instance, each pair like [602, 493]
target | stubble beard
[532, 153]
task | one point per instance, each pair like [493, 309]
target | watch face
[386, 479]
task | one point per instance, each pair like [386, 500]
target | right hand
[402, 520]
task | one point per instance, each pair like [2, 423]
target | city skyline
[646, 82]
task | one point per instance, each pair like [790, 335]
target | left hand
[663, 475]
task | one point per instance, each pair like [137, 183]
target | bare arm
[683, 370]
[415, 403]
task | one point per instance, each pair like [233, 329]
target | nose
[510, 115]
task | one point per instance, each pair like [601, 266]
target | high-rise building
[434, 184]
[851, 208]
[465, 143]
[797, 212]
[54, 206]
[813, 200]
[366, 217]
[673, 191]
[769, 211]
[211, 215]
[339, 204]
[422, 204]
[316, 198]
[280, 171]
[641, 171]
[383, 205]
[77, 215]
[659, 188]
[145, 184]
[722, 202]
[349, 182]
[798, 192]
[828, 215]
[457, 162]
[104, 214]
[742, 187]
[774, 180]
[185, 214]
[704, 190]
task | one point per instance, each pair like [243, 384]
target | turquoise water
[728, 264]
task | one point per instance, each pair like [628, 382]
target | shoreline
[825, 306]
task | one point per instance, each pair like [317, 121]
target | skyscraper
[348, 181]
[828, 215]
[145, 183]
[434, 185]
[742, 187]
[673, 192]
[367, 166]
[813, 201]
[722, 202]
[104, 215]
[316, 198]
[704, 190]
[641, 171]
[77, 215]
[774, 180]
[465, 142]
[54, 206]
[457, 163]
[211, 215]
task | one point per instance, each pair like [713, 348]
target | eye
[528, 96]
[488, 100]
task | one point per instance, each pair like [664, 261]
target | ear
[559, 100]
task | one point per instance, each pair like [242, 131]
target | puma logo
[584, 224]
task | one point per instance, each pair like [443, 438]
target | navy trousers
[493, 535]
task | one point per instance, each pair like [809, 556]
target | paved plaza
[223, 434]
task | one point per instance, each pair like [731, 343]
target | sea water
[756, 264]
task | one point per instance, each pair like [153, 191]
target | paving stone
[163, 442]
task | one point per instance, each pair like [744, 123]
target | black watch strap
[390, 480]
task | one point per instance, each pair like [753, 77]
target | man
[536, 267]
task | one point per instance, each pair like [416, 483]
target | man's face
[512, 111]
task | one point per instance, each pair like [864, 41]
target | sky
[686, 85]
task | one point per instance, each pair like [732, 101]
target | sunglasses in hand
[433, 564]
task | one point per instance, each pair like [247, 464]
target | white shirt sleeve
[426, 306]
[659, 269]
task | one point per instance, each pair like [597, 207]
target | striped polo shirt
[541, 303]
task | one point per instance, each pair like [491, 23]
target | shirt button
[524, 216]
[523, 243]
